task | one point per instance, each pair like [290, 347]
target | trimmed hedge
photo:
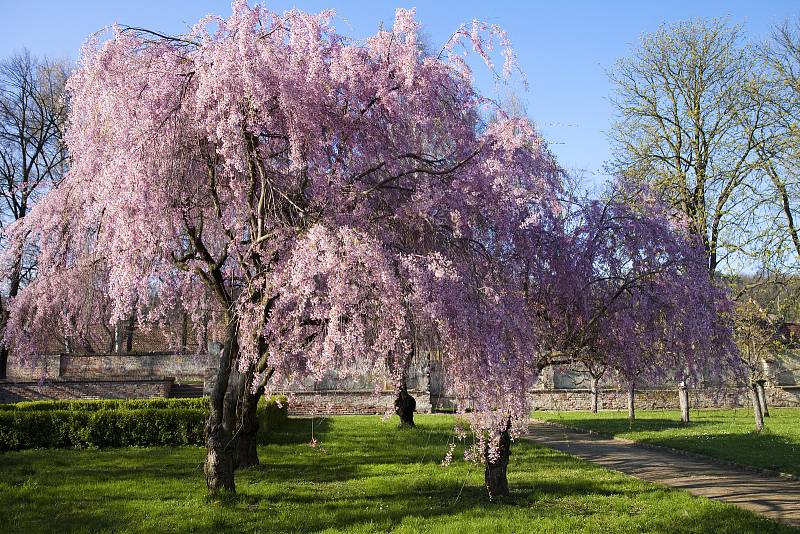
[20, 429]
[79, 424]
[109, 404]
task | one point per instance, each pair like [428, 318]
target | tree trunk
[631, 401]
[594, 394]
[247, 427]
[762, 398]
[683, 400]
[404, 406]
[220, 448]
[495, 475]
[759, 416]
[247, 424]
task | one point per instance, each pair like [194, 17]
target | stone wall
[349, 402]
[651, 399]
[109, 388]
[143, 375]
[39, 368]
[184, 367]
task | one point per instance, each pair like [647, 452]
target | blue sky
[564, 47]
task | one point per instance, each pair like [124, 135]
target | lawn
[365, 475]
[727, 434]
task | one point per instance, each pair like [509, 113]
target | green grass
[365, 475]
[726, 434]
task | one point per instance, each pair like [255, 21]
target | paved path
[771, 496]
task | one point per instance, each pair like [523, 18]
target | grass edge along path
[362, 475]
[723, 435]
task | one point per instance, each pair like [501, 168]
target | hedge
[110, 404]
[73, 424]
[20, 429]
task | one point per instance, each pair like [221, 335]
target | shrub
[114, 423]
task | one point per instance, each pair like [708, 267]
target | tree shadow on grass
[295, 431]
[581, 490]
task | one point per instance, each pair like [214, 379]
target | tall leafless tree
[779, 154]
[689, 124]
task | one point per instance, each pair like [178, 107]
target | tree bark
[683, 400]
[404, 406]
[495, 475]
[594, 394]
[247, 427]
[762, 398]
[219, 466]
[631, 402]
[247, 424]
[759, 416]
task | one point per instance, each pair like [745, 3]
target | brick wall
[111, 388]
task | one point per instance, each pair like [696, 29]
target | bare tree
[689, 125]
[779, 153]
[33, 107]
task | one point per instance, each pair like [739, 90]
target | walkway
[771, 496]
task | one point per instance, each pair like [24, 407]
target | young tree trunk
[404, 406]
[762, 398]
[13, 289]
[683, 400]
[594, 394]
[118, 336]
[3, 362]
[184, 331]
[221, 422]
[3, 349]
[495, 475]
[631, 402]
[129, 333]
[759, 416]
